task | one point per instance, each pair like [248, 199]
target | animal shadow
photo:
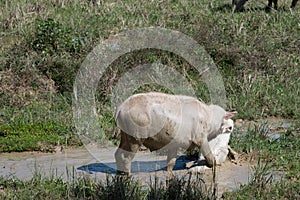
[136, 166]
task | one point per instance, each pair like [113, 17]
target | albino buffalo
[166, 122]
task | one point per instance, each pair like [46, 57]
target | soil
[95, 161]
[99, 162]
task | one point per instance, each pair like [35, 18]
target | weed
[262, 175]
[261, 186]
[255, 51]
[119, 187]
[114, 187]
[184, 187]
[43, 43]
[37, 136]
[277, 156]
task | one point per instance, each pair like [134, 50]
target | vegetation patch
[114, 187]
[43, 44]
[33, 136]
[274, 176]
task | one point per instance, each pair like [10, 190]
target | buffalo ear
[230, 114]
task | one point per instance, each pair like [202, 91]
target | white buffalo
[166, 122]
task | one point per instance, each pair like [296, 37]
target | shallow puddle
[100, 163]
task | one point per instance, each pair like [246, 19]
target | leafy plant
[52, 37]
[34, 136]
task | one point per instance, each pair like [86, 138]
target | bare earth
[99, 162]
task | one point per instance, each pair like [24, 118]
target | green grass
[255, 51]
[262, 186]
[274, 157]
[33, 136]
[282, 153]
[40, 125]
[113, 187]
[43, 44]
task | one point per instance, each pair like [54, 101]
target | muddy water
[100, 162]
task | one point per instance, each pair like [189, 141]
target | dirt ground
[99, 162]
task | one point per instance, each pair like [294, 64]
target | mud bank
[100, 162]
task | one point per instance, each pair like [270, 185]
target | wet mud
[99, 162]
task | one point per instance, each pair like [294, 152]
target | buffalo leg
[125, 153]
[171, 160]
[275, 4]
[239, 5]
[269, 6]
[206, 152]
[270, 2]
[234, 2]
[294, 3]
